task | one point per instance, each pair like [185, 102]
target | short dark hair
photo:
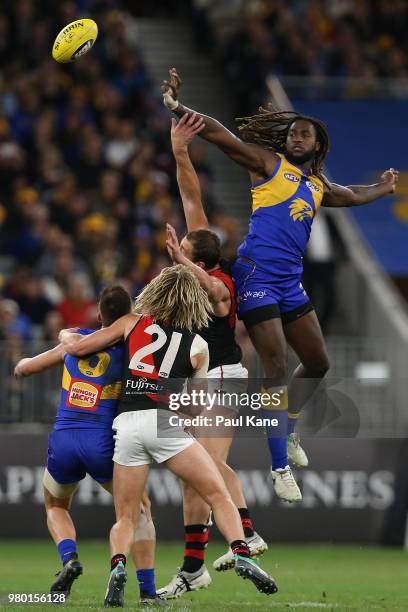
[206, 247]
[114, 302]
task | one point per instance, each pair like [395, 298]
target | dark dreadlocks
[269, 129]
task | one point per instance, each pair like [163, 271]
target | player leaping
[284, 153]
[200, 252]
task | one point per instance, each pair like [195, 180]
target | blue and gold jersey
[283, 208]
[91, 388]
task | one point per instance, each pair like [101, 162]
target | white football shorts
[137, 441]
[226, 381]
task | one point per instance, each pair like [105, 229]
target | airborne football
[75, 40]
[203, 305]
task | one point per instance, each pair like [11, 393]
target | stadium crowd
[86, 171]
[358, 43]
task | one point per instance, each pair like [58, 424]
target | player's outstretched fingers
[199, 125]
[196, 122]
[184, 119]
[192, 119]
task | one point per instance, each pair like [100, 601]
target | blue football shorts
[73, 453]
[263, 295]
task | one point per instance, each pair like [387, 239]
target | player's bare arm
[41, 362]
[182, 133]
[216, 290]
[200, 360]
[259, 161]
[78, 345]
[356, 195]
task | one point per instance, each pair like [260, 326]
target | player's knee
[275, 366]
[222, 465]
[319, 366]
[50, 501]
[218, 497]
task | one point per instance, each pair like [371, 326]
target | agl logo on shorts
[83, 395]
[253, 294]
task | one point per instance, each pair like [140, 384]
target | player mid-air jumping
[82, 442]
[200, 252]
[162, 351]
[284, 153]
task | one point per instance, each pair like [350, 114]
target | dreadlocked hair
[175, 296]
[269, 128]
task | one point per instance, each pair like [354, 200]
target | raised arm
[356, 195]
[41, 362]
[257, 160]
[182, 133]
[78, 345]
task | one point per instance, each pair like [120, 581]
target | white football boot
[257, 546]
[296, 454]
[185, 581]
[285, 484]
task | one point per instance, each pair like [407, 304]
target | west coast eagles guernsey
[91, 388]
[283, 208]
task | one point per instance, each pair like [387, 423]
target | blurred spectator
[356, 42]
[87, 178]
[32, 301]
[319, 270]
[77, 307]
[53, 324]
[14, 324]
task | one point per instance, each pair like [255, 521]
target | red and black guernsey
[220, 334]
[157, 362]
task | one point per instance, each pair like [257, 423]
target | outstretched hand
[172, 244]
[183, 132]
[390, 177]
[170, 89]
[19, 369]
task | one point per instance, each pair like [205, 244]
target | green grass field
[309, 578]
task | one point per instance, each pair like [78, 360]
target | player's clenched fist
[170, 89]
[391, 177]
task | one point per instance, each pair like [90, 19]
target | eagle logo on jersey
[300, 209]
